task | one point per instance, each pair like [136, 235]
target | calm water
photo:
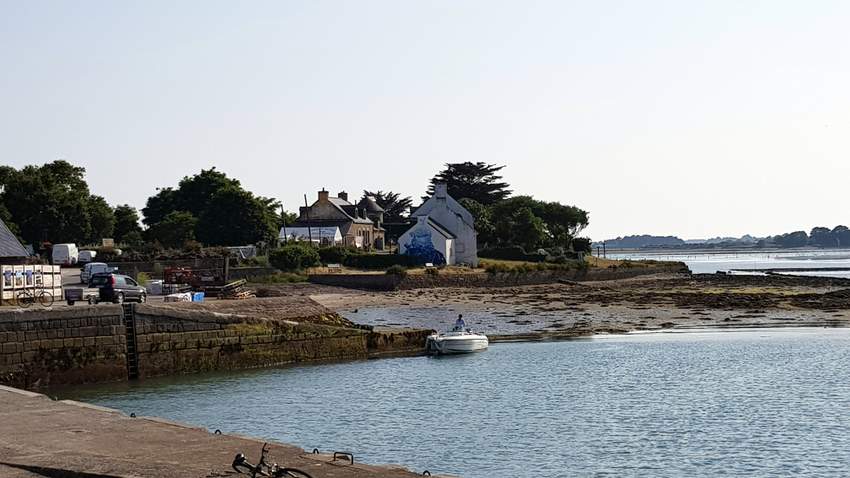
[711, 262]
[752, 403]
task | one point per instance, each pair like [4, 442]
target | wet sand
[566, 310]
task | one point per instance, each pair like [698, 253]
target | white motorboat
[456, 342]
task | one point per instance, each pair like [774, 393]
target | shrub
[143, 278]
[279, 278]
[397, 270]
[432, 271]
[337, 254]
[379, 261]
[292, 257]
[511, 253]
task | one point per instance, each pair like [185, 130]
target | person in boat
[460, 325]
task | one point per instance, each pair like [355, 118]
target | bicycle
[26, 298]
[263, 468]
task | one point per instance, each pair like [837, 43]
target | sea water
[740, 403]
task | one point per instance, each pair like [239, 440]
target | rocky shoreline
[570, 309]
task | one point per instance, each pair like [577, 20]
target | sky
[696, 119]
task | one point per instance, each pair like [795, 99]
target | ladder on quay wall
[132, 350]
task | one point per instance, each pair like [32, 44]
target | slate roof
[10, 246]
[370, 204]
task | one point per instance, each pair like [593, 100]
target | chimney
[343, 195]
[441, 191]
[323, 195]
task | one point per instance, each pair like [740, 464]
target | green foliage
[395, 207]
[511, 253]
[175, 229]
[397, 270]
[227, 214]
[279, 278]
[557, 224]
[483, 221]
[52, 203]
[133, 239]
[379, 261]
[337, 254]
[582, 244]
[477, 181]
[126, 223]
[143, 278]
[527, 267]
[101, 220]
[234, 216]
[293, 257]
[792, 239]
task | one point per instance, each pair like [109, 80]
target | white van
[87, 256]
[93, 268]
[65, 254]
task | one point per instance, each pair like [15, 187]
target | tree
[192, 195]
[235, 217]
[483, 222]
[102, 219]
[175, 229]
[226, 213]
[50, 202]
[792, 239]
[822, 237]
[842, 234]
[126, 221]
[561, 223]
[476, 181]
[395, 207]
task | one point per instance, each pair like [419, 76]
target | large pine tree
[477, 181]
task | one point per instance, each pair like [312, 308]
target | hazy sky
[661, 117]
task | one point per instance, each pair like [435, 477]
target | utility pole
[283, 217]
[307, 213]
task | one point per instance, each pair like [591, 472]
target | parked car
[117, 288]
[65, 254]
[86, 256]
[92, 268]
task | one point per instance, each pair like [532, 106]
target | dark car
[117, 288]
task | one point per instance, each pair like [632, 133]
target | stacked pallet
[14, 279]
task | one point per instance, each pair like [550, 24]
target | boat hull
[458, 344]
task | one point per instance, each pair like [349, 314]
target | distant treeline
[822, 237]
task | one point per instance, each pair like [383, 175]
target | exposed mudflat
[575, 309]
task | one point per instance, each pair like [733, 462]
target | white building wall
[419, 232]
[443, 209]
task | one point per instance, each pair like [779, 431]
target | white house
[448, 226]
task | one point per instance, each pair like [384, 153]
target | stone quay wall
[185, 341]
[485, 279]
[88, 344]
[62, 346]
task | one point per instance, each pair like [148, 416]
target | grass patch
[279, 278]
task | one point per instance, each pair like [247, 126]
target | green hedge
[293, 257]
[511, 253]
[337, 254]
[379, 261]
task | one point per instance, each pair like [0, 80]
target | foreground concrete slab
[40, 437]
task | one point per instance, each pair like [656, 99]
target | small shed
[320, 235]
[429, 242]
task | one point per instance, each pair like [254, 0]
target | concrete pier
[40, 437]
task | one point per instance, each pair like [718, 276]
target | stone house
[444, 232]
[360, 224]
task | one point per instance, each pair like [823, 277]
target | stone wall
[485, 279]
[61, 346]
[184, 341]
[86, 344]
